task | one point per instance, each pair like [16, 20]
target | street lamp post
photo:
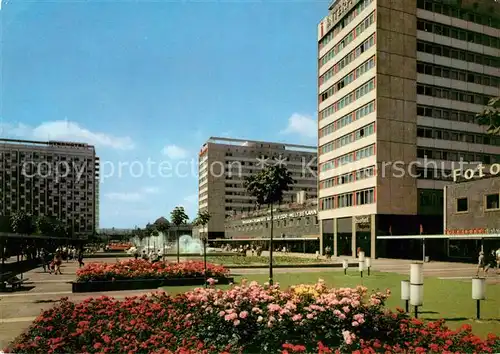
[205, 239]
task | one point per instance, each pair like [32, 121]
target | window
[449, 52]
[462, 205]
[492, 201]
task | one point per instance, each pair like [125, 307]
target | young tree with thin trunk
[268, 187]
[178, 217]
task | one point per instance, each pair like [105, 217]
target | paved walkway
[18, 309]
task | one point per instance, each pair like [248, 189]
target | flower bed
[141, 269]
[141, 274]
[245, 319]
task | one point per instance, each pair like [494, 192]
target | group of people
[488, 261]
[52, 262]
[153, 256]
[242, 250]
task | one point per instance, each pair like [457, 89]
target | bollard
[405, 294]
[417, 286]
[478, 293]
[345, 265]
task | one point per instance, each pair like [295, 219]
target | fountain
[187, 244]
[151, 243]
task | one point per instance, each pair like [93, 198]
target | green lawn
[447, 299]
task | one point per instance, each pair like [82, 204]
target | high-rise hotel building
[53, 179]
[400, 82]
[224, 163]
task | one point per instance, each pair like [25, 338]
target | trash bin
[426, 259]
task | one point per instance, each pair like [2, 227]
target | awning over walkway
[450, 237]
[275, 239]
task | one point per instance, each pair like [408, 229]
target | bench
[4, 277]
[11, 279]
[16, 282]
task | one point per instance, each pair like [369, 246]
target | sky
[148, 82]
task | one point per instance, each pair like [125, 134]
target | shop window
[492, 201]
[462, 205]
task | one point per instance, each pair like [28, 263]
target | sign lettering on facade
[295, 214]
[341, 7]
[363, 223]
[362, 219]
[479, 171]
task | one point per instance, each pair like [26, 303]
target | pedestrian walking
[57, 263]
[80, 258]
[481, 263]
[490, 261]
[497, 254]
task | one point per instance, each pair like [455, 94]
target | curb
[312, 265]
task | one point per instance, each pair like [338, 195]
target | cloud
[175, 152]
[66, 131]
[302, 125]
[151, 190]
[132, 196]
[124, 197]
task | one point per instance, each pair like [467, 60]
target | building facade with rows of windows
[224, 163]
[399, 85]
[52, 179]
[295, 226]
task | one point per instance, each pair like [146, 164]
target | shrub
[141, 269]
[244, 319]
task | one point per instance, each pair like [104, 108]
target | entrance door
[344, 245]
[363, 241]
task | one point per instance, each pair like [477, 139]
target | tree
[61, 230]
[151, 230]
[44, 226]
[22, 223]
[178, 217]
[202, 220]
[491, 117]
[268, 187]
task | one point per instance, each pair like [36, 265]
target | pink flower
[297, 317]
[347, 337]
[310, 316]
[355, 323]
[243, 314]
[236, 322]
[273, 307]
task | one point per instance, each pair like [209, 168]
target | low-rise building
[295, 227]
[472, 216]
[473, 206]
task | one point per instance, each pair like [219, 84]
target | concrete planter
[140, 284]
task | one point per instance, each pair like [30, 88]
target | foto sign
[477, 172]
